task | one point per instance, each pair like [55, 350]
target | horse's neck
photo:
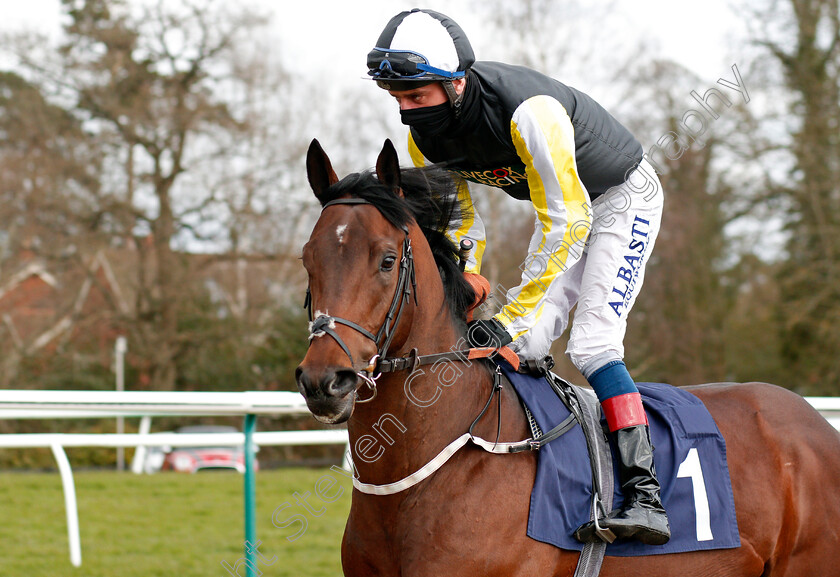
[416, 414]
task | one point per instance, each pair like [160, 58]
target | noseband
[324, 324]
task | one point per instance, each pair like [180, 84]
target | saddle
[585, 410]
[576, 481]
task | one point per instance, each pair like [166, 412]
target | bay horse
[469, 517]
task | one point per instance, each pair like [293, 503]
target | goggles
[387, 64]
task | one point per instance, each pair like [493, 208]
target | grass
[170, 524]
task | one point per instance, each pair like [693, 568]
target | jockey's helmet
[419, 47]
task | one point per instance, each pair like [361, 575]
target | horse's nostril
[303, 381]
[339, 384]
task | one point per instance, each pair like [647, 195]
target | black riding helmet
[419, 47]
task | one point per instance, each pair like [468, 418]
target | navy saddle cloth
[690, 459]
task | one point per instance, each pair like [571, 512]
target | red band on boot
[624, 411]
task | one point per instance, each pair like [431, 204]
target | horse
[386, 287]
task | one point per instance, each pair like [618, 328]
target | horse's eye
[388, 263]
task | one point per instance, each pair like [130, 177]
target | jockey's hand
[489, 333]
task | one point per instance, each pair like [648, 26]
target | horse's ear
[319, 170]
[388, 167]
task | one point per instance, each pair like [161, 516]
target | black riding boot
[642, 516]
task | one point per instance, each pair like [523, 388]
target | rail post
[250, 496]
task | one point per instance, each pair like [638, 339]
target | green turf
[169, 524]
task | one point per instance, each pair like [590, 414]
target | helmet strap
[454, 98]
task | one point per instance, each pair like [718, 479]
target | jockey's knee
[589, 359]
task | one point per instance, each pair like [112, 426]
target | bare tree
[801, 40]
[49, 180]
[155, 84]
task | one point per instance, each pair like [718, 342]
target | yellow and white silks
[543, 136]
[470, 226]
[584, 253]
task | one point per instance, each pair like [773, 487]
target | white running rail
[24, 404]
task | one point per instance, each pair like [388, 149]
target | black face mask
[430, 120]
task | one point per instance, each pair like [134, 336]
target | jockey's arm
[470, 225]
[543, 135]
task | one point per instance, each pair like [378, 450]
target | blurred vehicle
[194, 459]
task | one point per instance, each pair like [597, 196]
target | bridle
[324, 324]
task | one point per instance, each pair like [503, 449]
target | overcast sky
[338, 33]
[330, 38]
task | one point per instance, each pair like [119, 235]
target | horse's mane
[431, 200]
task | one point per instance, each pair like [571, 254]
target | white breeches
[606, 280]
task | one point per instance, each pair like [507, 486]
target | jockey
[598, 207]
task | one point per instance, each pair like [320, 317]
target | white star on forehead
[339, 232]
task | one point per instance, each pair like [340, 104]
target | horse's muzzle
[329, 393]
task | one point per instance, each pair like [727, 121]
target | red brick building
[83, 304]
